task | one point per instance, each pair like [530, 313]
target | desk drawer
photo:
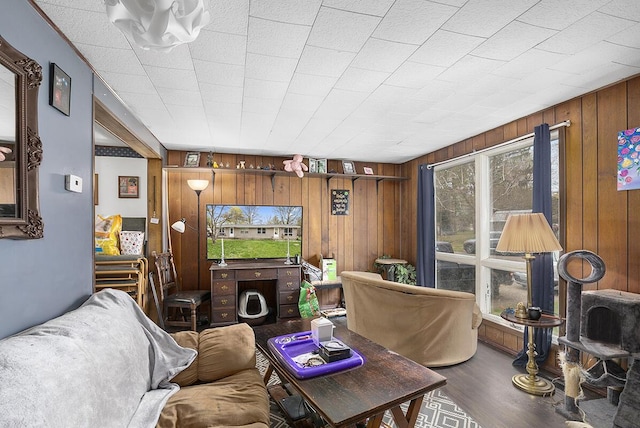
[256, 274]
[223, 274]
[224, 288]
[289, 297]
[224, 316]
[290, 272]
[289, 311]
[224, 302]
[288, 284]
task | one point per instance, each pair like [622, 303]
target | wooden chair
[172, 296]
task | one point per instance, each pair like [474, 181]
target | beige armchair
[432, 327]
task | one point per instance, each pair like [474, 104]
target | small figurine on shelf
[215, 164]
[241, 164]
[210, 159]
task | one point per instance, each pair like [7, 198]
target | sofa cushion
[224, 351]
[191, 340]
[239, 400]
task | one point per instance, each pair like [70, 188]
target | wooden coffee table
[382, 383]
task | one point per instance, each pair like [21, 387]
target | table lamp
[527, 234]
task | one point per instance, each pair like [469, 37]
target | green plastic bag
[308, 302]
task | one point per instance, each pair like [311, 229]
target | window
[261, 230]
[473, 198]
[287, 231]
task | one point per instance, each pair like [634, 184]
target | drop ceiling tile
[87, 26]
[315, 131]
[180, 97]
[302, 103]
[276, 38]
[297, 12]
[269, 67]
[435, 90]
[367, 7]
[91, 5]
[219, 73]
[261, 106]
[357, 79]
[414, 75]
[229, 16]
[413, 21]
[513, 40]
[529, 62]
[179, 57]
[219, 47]
[589, 30]
[341, 30]
[324, 62]
[221, 93]
[597, 77]
[129, 83]
[445, 48]
[627, 9]
[558, 15]
[172, 78]
[630, 37]
[112, 59]
[477, 18]
[265, 89]
[306, 84]
[469, 69]
[382, 55]
[220, 110]
[339, 104]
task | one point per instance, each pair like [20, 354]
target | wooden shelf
[273, 173]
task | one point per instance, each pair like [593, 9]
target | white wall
[108, 170]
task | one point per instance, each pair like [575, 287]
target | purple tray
[289, 346]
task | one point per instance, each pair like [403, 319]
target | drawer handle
[289, 273]
[257, 274]
[290, 311]
[223, 301]
[224, 315]
[224, 287]
[289, 297]
[224, 275]
[289, 284]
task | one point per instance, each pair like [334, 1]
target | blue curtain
[426, 263]
[542, 266]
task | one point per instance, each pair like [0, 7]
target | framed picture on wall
[348, 167]
[60, 90]
[322, 166]
[192, 159]
[128, 186]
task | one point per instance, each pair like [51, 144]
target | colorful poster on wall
[629, 159]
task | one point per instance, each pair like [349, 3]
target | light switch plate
[73, 183]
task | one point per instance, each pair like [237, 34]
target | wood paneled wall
[597, 217]
[370, 230]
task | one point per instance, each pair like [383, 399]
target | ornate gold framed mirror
[20, 145]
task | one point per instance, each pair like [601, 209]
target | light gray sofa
[106, 364]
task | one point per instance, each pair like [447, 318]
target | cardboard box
[329, 269]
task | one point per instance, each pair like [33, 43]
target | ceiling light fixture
[159, 25]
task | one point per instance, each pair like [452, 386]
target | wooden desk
[384, 382]
[224, 288]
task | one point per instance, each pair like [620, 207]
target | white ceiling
[370, 80]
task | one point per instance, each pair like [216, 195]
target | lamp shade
[179, 226]
[527, 233]
[198, 185]
[159, 24]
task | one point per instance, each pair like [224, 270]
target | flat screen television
[253, 231]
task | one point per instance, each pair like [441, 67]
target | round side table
[531, 382]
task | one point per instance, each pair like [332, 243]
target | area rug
[437, 411]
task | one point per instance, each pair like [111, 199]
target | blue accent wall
[43, 278]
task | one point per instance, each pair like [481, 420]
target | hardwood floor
[482, 387]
